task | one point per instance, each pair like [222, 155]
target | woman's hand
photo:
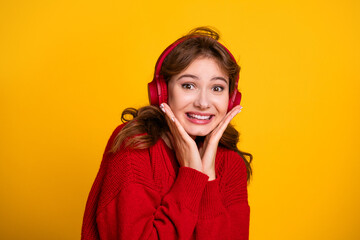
[185, 147]
[209, 148]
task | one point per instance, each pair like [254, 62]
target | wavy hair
[147, 124]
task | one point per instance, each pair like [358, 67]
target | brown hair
[148, 123]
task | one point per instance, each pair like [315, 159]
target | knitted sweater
[144, 194]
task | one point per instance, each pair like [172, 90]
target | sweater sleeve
[224, 208]
[137, 211]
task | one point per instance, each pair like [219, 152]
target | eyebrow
[197, 78]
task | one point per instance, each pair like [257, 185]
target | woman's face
[199, 96]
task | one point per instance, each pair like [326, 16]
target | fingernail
[162, 107]
[173, 119]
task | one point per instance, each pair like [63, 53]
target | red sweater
[144, 194]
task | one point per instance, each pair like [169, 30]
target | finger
[169, 117]
[219, 130]
[174, 123]
[167, 110]
[182, 131]
[231, 115]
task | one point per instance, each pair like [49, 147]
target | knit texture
[144, 194]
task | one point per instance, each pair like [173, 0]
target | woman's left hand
[208, 149]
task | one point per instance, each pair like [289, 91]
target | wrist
[195, 166]
[211, 174]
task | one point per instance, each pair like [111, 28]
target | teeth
[199, 117]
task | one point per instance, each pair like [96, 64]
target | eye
[218, 89]
[187, 86]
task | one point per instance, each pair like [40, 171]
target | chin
[198, 132]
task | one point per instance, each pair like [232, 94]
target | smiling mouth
[199, 117]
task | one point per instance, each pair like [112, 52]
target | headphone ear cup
[157, 91]
[162, 88]
[234, 100]
[152, 93]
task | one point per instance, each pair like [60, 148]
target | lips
[199, 118]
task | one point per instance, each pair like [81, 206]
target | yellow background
[69, 68]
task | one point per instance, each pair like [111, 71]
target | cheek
[180, 104]
[177, 99]
[171, 95]
[222, 104]
[173, 100]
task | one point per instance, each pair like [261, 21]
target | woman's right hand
[185, 147]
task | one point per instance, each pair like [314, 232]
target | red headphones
[157, 88]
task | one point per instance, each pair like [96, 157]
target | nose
[202, 100]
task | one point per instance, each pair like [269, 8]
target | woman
[174, 170]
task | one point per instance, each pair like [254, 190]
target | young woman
[173, 171]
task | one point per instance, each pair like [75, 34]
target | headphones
[157, 88]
